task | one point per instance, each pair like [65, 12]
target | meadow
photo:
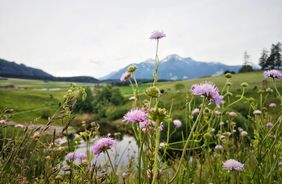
[222, 129]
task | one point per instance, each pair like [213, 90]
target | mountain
[11, 68]
[174, 67]
[14, 70]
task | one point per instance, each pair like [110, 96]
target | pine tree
[277, 57]
[263, 59]
[274, 59]
[247, 67]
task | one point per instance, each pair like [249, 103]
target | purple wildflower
[275, 74]
[208, 90]
[218, 147]
[136, 116]
[156, 35]
[269, 124]
[177, 123]
[126, 75]
[233, 165]
[80, 156]
[102, 145]
[280, 164]
[70, 156]
[146, 123]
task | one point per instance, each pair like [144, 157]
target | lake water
[125, 151]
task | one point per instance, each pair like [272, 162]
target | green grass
[32, 98]
[37, 84]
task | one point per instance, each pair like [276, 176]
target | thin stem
[139, 159]
[111, 162]
[187, 141]
[156, 153]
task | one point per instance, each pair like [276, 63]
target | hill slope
[8, 68]
[14, 70]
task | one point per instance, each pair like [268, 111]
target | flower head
[221, 123]
[102, 145]
[233, 165]
[3, 122]
[275, 74]
[195, 111]
[146, 123]
[177, 123]
[156, 35]
[269, 124]
[80, 156]
[218, 147]
[244, 133]
[136, 116]
[272, 105]
[208, 90]
[232, 114]
[70, 156]
[126, 75]
[256, 112]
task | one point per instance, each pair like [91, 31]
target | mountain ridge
[15, 70]
[175, 67]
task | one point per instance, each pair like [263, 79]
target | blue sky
[91, 37]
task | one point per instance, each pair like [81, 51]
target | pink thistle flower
[208, 90]
[275, 74]
[70, 156]
[156, 35]
[102, 145]
[80, 156]
[177, 123]
[126, 75]
[233, 165]
[136, 116]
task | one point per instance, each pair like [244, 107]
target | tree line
[272, 59]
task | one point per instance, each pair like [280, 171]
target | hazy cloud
[91, 37]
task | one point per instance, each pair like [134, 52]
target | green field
[32, 99]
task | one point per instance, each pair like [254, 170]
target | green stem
[114, 171]
[187, 141]
[278, 93]
[156, 153]
[242, 95]
[139, 159]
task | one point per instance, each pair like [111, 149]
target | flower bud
[228, 75]
[244, 84]
[131, 68]
[153, 92]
